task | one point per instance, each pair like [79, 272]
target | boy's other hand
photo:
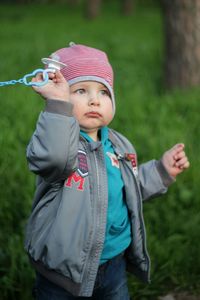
[175, 160]
[56, 88]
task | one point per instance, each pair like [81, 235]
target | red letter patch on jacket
[133, 159]
[75, 177]
[80, 174]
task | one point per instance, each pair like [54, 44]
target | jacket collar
[104, 132]
[105, 135]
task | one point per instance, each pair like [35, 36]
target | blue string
[26, 80]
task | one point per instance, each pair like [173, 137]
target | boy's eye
[105, 93]
[80, 91]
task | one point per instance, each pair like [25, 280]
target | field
[151, 117]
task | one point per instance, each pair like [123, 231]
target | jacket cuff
[166, 177]
[59, 107]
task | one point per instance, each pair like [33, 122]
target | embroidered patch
[77, 179]
[114, 160]
[133, 159]
[82, 163]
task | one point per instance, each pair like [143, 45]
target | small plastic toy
[53, 65]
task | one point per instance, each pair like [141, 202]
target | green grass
[150, 117]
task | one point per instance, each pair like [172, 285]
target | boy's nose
[93, 99]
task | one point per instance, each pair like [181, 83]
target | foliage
[152, 119]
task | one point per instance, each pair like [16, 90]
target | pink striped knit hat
[85, 63]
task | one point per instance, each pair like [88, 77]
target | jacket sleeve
[153, 179]
[52, 151]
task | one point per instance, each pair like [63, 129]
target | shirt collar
[103, 135]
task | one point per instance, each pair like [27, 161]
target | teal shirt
[118, 232]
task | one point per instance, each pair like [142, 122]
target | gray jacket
[66, 230]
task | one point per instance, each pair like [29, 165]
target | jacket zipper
[123, 160]
[143, 229]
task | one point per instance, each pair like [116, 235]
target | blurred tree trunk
[182, 42]
[93, 8]
[127, 7]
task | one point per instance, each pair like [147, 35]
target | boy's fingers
[177, 149]
[60, 77]
[185, 165]
[39, 77]
[51, 75]
[179, 155]
[181, 161]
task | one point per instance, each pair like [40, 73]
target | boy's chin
[89, 130]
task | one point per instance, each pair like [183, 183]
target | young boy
[86, 225]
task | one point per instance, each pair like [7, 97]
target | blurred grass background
[152, 118]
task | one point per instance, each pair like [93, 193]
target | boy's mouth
[93, 114]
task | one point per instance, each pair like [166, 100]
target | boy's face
[92, 106]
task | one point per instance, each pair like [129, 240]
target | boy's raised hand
[57, 87]
[175, 160]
